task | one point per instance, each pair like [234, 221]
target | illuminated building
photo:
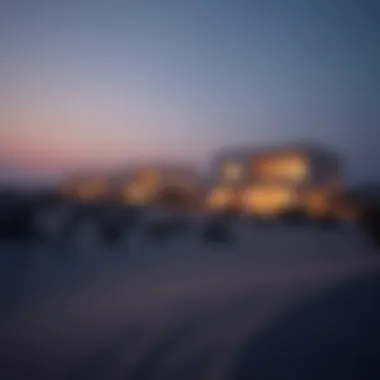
[219, 197]
[261, 181]
[146, 184]
[276, 179]
[268, 199]
[87, 187]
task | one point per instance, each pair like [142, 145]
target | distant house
[139, 186]
[144, 184]
[272, 179]
[266, 180]
[86, 187]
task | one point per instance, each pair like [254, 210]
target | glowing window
[285, 168]
[92, 188]
[220, 197]
[232, 171]
[268, 199]
[149, 177]
[317, 203]
[137, 194]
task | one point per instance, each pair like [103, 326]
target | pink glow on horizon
[42, 155]
[39, 140]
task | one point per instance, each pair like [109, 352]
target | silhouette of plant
[217, 231]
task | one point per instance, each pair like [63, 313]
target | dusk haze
[107, 84]
[189, 189]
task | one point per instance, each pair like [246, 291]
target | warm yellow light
[90, 188]
[267, 200]
[292, 168]
[220, 197]
[137, 193]
[317, 203]
[232, 171]
[148, 177]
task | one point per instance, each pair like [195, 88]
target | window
[266, 199]
[148, 177]
[92, 188]
[220, 197]
[137, 194]
[232, 171]
[283, 168]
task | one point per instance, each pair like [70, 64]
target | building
[265, 181]
[86, 187]
[145, 184]
[274, 179]
[139, 186]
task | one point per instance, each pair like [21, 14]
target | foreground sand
[182, 310]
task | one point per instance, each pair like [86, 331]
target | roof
[247, 152]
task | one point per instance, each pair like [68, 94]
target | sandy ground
[183, 309]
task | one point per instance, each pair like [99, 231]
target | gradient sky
[103, 83]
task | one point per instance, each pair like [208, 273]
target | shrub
[110, 231]
[19, 223]
[71, 223]
[179, 224]
[172, 197]
[217, 231]
[370, 221]
[130, 216]
[293, 217]
[49, 199]
[159, 229]
[231, 212]
[260, 221]
[326, 221]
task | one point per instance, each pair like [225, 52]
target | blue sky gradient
[102, 83]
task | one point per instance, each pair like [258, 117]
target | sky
[99, 84]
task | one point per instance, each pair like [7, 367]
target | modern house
[265, 181]
[139, 186]
[86, 187]
[145, 184]
[273, 179]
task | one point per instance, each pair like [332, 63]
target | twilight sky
[103, 83]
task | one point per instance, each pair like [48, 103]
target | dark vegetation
[114, 220]
[130, 216]
[173, 198]
[294, 216]
[179, 224]
[260, 221]
[370, 222]
[18, 219]
[231, 213]
[217, 230]
[110, 231]
[159, 229]
[327, 222]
